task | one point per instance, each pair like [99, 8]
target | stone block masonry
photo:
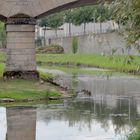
[20, 48]
[21, 61]
[20, 18]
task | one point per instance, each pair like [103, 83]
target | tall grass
[118, 63]
[136, 134]
[74, 44]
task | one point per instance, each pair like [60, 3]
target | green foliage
[127, 13]
[103, 13]
[2, 66]
[136, 134]
[54, 21]
[82, 15]
[78, 16]
[118, 63]
[55, 46]
[68, 16]
[24, 90]
[2, 57]
[77, 70]
[88, 14]
[51, 49]
[2, 35]
[74, 44]
[46, 76]
[38, 42]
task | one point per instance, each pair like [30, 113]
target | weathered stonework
[40, 8]
[20, 18]
[21, 62]
[26, 75]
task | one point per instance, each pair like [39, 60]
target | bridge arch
[20, 17]
[69, 5]
[3, 18]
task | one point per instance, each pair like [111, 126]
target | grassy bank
[118, 63]
[84, 71]
[23, 90]
[136, 134]
[2, 66]
[2, 56]
[20, 90]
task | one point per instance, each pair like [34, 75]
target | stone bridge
[20, 19]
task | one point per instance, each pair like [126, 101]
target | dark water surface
[106, 108]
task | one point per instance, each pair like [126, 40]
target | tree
[82, 15]
[68, 16]
[127, 13]
[74, 44]
[53, 21]
[103, 14]
[96, 13]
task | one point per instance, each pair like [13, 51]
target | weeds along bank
[118, 63]
[19, 90]
[121, 63]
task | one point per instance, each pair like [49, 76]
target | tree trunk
[94, 21]
[100, 27]
[56, 33]
[84, 28]
[69, 29]
[44, 36]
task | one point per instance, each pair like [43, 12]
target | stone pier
[20, 17]
[21, 61]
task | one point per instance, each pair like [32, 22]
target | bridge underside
[74, 4]
[20, 18]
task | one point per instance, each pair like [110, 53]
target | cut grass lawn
[22, 90]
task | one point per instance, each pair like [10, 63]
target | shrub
[74, 44]
[38, 42]
[136, 134]
[51, 49]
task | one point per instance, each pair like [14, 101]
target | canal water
[104, 108]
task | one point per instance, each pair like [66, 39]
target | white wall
[49, 33]
[90, 28]
[97, 44]
[63, 31]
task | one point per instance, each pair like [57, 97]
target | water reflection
[110, 111]
[81, 119]
[86, 118]
[3, 124]
[21, 124]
